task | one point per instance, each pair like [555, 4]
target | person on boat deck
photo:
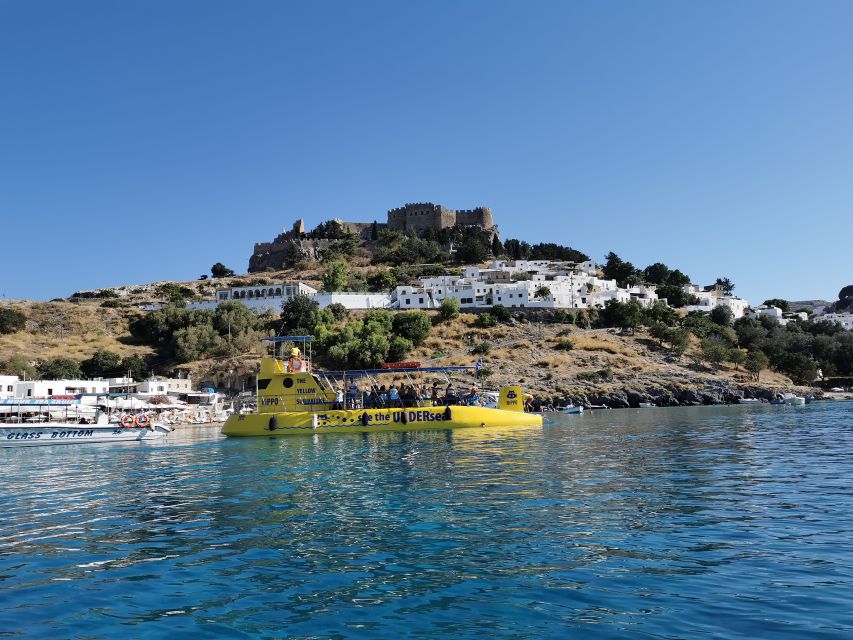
[352, 395]
[294, 353]
[339, 399]
[394, 396]
[383, 396]
[528, 402]
[472, 397]
[449, 394]
[434, 396]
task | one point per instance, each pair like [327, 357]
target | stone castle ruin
[293, 244]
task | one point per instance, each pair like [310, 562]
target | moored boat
[572, 408]
[293, 398]
[33, 423]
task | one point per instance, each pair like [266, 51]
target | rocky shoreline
[674, 396]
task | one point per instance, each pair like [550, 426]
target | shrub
[485, 372]
[59, 369]
[338, 311]
[102, 363]
[11, 320]
[501, 313]
[485, 321]
[484, 348]
[399, 348]
[449, 309]
[564, 345]
[219, 270]
[413, 325]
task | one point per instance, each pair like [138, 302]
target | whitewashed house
[165, 386]
[844, 319]
[7, 386]
[53, 388]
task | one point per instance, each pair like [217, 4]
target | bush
[11, 320]
[501, 313]
[338, 311]
[564, 345]
[413, 325]
[59, 369]
[399, 348]
[485, 372]
[485, 321]
[219, 270]
[174, 292]
[484, 348]
[102, 363]
[449, 309]
[112, 304]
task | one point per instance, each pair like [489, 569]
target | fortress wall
[480, 216]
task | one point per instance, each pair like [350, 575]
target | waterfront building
[7, 386]
[53, 388]
[165, 386]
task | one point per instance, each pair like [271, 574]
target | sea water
[728, 522]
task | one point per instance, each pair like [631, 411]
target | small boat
[749, 401]
[596, 407]
[28, 423]
[576, 409]
[789, 399]
[647, 405]
[295, 399]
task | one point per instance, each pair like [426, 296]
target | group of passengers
[403, 396]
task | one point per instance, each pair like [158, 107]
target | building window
[408, 301]
[420, 300]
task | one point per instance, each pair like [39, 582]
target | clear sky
[142, 141]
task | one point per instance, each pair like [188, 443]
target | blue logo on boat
[510, 394]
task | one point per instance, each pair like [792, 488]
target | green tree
[617, 269]
[19, 366]
[102, 363]
[660, 312]
[196, 342]
[675, 295]
[338, 311]
[299, 315]
[11, 320]
[714, 351]
[59, 369]
[413, 325]
[136, 367]
[497, 246]
[722, 315]
[449, 309]
[756, 362]
[727, 285]
[485, 321]
[501, 313]
[219, 270]
[779, 303]
[656, 273]
[542, 292]
[335, 277]
[658, 331]
[399, 348]
[383, 280]
[678, 339]
[737, 357]
[473, 250]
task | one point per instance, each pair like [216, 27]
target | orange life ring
[295, 364]
[127, 421]
[142, 420]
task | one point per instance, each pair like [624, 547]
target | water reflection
[706, 520]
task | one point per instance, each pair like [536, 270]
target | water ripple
[716, 522]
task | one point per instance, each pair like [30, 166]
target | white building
[763, 310]
[258, 298]
[165, 386]
[713, 296]
[7, 386]
[844, 319]
[353, 301]
[52, 388]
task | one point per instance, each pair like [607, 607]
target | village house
[844, 319]
[7, 386]
[713, 296]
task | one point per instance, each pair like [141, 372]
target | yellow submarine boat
[294, 399]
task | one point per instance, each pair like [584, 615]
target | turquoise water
[728, 522]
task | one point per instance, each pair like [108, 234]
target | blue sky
[145, 141]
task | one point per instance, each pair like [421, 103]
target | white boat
[647, 405]
[45, 422]
[571, 409]
[749, 401]
[789, 399]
